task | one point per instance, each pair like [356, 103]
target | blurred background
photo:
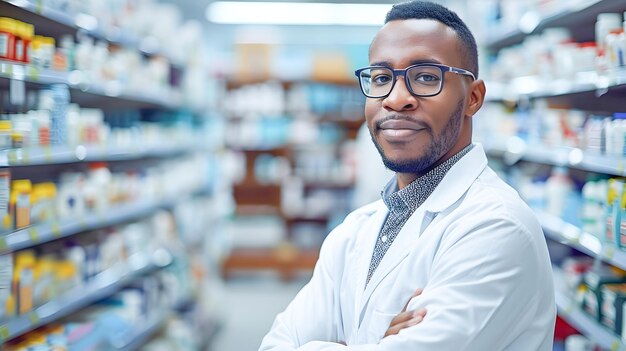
[169, 169]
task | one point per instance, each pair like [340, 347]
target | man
[448, 236]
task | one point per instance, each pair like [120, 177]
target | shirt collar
[409, 198]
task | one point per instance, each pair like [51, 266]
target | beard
[437, 147]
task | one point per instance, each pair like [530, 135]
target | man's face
[415, 133]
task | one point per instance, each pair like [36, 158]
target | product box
[6, 277]
[611, 311]
[594, 280]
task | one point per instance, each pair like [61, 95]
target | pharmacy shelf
[515, 149]
[84, 92]
[581, 83]
[566, 233]
[45, 232]
[31, 156]
[137, 337]
[568, 309]
[54, 22]
[102, 285]
[571, 14]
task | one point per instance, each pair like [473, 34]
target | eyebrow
[414, 62]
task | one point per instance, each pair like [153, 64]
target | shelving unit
[45, 232]
[164, 101]
[60, 22]
[84, 93]
[557, 229]
[568, 309]
[33, 156]
[593, 91]
[104, 284]
[516, 149]
[307, 163]
[570, 14]
[607, 87]
[138, 336]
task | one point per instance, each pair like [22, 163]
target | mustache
[398, 117]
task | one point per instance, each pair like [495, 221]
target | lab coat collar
[458, 179]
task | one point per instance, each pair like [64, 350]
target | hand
[406, 318]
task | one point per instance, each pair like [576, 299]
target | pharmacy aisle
[555, 129]
[253, 303]
[106, 180]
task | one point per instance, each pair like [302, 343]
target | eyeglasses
[424, 79]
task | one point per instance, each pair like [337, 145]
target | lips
[399, 130]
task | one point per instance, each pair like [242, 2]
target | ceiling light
[297, 13]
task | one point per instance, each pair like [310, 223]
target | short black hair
[429, 10]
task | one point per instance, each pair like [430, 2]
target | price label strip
[48, 155]
[12, 157]
[34, 318]
[615, 345]
[56, 230]
[33, 233]
[25, 157]
[4, 332]
[3, 243]
[609, 252]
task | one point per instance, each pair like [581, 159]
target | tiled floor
[250, 305]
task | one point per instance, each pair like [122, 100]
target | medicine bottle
[20, 202]
[558, 188]
[5, 134]
[606, 22]
[7, 38]
[577, 343]
[43, 200]
[24, 280]
[24, 36]
[5, 194]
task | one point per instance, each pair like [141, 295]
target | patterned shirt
[402, 203]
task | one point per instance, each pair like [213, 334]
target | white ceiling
[221, 35]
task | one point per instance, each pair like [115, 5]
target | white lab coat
[473, 246]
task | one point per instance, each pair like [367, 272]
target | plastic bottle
[97, 186]
[7, 38]
[594, 196]
[612, 213]
[558, 189]
[619, 134]
[44, 279]
[70, 200]
[58, 130]
[577, 343]
[24, 33]
[622, 226]
[24, 280]
[18, 53]
[5, 194]
[20, 202]
[77, 255]
[606, 22]
[5, 134]
[615, 47]
[43, 199]
[67, 49]
[6, 277]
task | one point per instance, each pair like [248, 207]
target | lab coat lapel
[397, 252]
[366, 240]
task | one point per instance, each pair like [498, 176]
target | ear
[476, 97]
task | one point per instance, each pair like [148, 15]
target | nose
[400, 98]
